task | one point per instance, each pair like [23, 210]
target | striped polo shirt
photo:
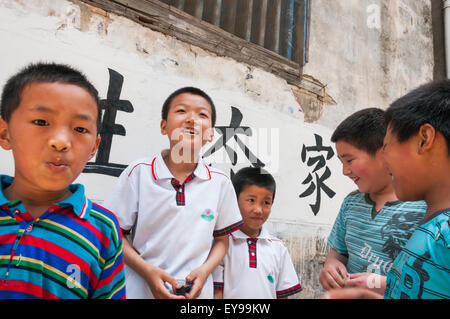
[371, 239]
[72, 251]
[422, 270]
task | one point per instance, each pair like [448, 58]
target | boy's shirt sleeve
[218, 276]
[111, 284]
[123, 199]
[229, 217]
[288, 283]
[337, 236]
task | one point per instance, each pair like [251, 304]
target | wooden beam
[161, 17]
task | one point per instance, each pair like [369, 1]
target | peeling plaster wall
[369, 52]
[350, 60]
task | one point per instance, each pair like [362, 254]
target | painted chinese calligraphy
[316, 183]
[110, 105]
[232, 131]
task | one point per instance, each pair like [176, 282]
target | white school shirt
[174, 238]
[256, 270]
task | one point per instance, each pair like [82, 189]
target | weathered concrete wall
[369, 52]
[345, 56]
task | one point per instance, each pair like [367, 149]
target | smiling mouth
[189, 131]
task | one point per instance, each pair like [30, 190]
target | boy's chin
[55, 184]
[187, 146]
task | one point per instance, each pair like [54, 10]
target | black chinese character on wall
[109, 128]
[320, 173]
[233, 130]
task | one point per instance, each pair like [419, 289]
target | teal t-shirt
[371, 239]
[422, 269]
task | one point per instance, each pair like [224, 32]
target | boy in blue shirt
[419, 131]
[54, 242]
[417, 155]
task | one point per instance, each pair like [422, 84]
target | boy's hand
[156, 278]
[334, 275]
[351, 293]
[367, 280]
[198, 277]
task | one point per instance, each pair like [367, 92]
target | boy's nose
[258, 209]
[190, 117]
[346, 170]
[59, 143]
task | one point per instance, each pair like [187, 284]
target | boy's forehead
[45, 96]
[347, 148]
[390, 136]
[190, 98]
[46, 90]
[250, 189]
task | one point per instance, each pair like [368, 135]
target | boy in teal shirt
[372, 224]
[417, 155]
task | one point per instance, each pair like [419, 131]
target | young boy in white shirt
[257, 265]
[179, 211]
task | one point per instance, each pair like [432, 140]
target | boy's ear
[427, 135]
[209, 135]
[95, 148]
[4, 135]
[163, 127]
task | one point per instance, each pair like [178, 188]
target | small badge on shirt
[270, 278]
[208, 215]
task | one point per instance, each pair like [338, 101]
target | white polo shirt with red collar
[256, 268]
[172, 226]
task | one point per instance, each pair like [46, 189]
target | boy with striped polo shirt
[257, 265]
[372, 225]
[54, 242]
[178, 210]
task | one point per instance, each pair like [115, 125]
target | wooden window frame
[167, 19]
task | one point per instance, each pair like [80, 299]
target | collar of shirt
[264, 234]
[78, 201]
[160, 170]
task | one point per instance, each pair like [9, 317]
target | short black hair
[364, 129]
[191, 90]
[248, 176]
[43, 73]
[429, 103]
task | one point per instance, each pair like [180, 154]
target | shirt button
[16, 211]
[253, 254]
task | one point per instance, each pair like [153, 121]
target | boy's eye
[204, 115]
[267, 203]
[81, 130]
[41, 122]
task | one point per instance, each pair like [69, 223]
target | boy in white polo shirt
[257, 265]
[179, 212]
